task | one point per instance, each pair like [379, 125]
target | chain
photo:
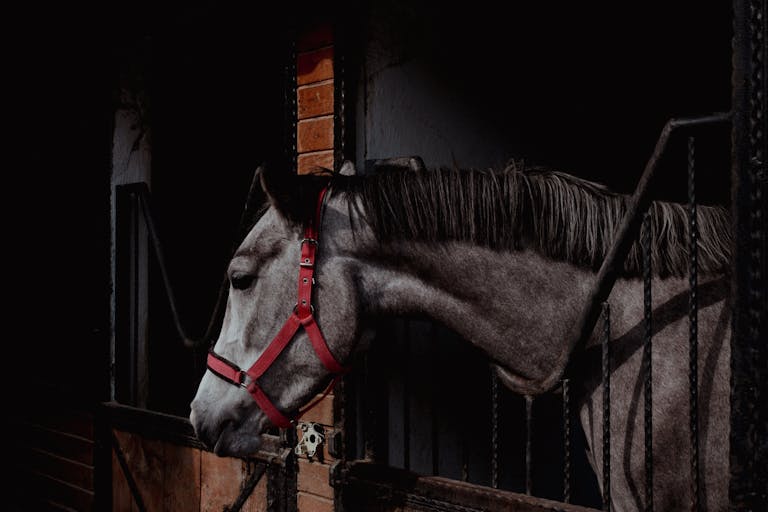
[693, 340]
[606, 367]
[646, 240]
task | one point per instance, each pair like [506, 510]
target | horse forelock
[559, 215]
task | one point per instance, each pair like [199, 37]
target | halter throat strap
[302, 316]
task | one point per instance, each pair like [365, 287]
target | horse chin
[241, 441]
[237, 447]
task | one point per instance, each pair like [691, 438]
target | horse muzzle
[224, 433]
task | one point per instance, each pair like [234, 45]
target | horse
[504, 258]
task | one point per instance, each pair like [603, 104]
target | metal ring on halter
[311, 308]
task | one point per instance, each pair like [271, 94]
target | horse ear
[292, 195]
[348, 169]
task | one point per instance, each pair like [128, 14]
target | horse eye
[241, 281]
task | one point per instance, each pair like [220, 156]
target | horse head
[279, 349]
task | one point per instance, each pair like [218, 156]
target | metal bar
[748, 486]
[693, 339]
[434, 391]
[290, 103]
[606, 367]
[566, 441]
[142, 197]
[138, 500]
[144, 202]
[248, 488]
[378, 487]
[339, 92]
[494, 430]
[625, 236]
[528, 444]
[646, 239]
[407, 396]
[133, 381]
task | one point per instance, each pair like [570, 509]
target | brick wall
[315, 147]
[315, 98]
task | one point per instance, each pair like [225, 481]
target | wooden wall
[52, 459]
[173, 477]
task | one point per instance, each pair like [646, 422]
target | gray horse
[506, 259]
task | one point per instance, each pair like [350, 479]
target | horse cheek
[338, 314]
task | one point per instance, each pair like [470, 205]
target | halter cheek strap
[302, 316]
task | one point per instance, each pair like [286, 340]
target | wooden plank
[220, 481]
[62, 419]
[315, 100]
[121, 492]
[145, 460]
[309, 161]
[317, 37]
[312, 503]
[75, 473]
[52, 506]
[62, 444]
[151, 424]
[181, 479]
[257, 501]
[315, 134]
[314, 66]
[313, 478]
[373, 487]
[54, 490]
[174, 429]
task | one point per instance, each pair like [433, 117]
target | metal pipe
[626, 234]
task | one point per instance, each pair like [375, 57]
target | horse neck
[516, 306]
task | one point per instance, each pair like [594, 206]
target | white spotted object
[312, 436]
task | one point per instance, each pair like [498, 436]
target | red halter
[303, 315]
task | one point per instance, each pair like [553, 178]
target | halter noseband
[302, 315]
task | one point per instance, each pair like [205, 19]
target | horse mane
[559, 215]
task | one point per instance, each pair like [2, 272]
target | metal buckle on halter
[309, 241]
[241, 379]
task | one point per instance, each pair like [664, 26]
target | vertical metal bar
[606, 367]
[370, 405]
[291, 103]
[494, 430]
[748, 486]
[646, 241]
[693, 339]
[340, 91]
[434, 432]
[566, 441]
[133, 338]
[528, 444]
[464, 451]
[407, 396]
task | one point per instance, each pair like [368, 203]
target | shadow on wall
[579, 88]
